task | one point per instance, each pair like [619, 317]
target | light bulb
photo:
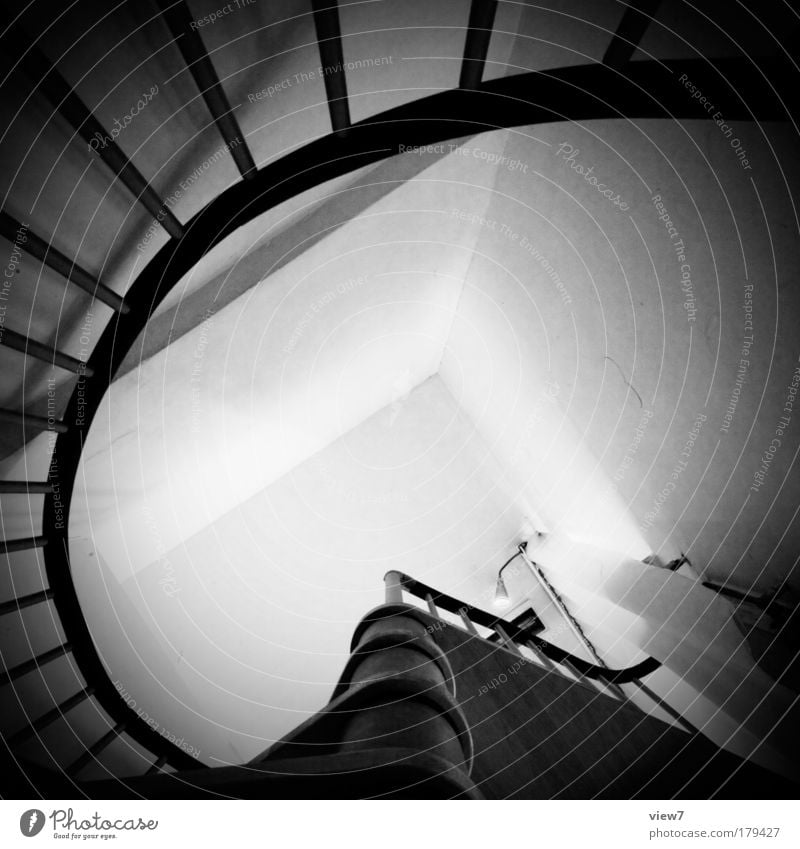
[501, 598]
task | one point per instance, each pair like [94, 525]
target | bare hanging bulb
[501, 598]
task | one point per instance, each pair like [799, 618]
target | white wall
[556, 323]
[607, 371]
[351, 323]
[240, 446]
[238, 633]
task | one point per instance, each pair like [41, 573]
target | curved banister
[573, 93]
[395, 580]
[647, 89]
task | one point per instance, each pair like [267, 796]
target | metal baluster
[34, 663]
[25, 601]
[91, 754]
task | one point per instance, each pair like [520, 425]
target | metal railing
[525, 642]
[477, 105]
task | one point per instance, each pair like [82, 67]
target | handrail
[630, 674]
[578, 93]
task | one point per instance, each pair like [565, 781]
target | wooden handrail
[519, 635]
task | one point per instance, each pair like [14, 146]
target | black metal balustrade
[615, 89]
[526, 643]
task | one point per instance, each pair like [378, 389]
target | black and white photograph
[400, 401]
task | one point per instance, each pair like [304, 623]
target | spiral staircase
[54, 683]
